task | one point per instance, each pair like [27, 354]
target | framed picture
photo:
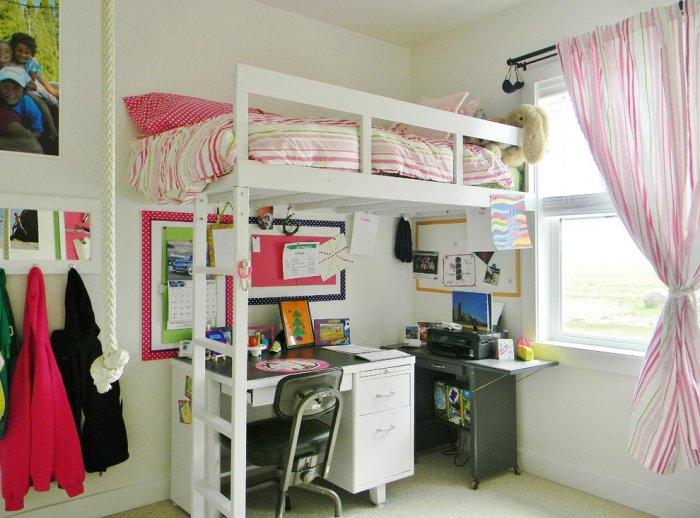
[296, 323]
[332, 331]
[411, 335]
[425, 264]
[267, 332]
[29, 36]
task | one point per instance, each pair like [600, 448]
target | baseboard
[98, 505]
[642, 498]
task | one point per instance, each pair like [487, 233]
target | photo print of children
[29, 91]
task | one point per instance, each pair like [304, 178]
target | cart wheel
[287, 503]
[475, 485]
[516, 470]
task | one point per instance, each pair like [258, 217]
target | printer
[460, 343]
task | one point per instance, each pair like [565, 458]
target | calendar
[180, 297]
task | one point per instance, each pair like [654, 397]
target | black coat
[103, 434]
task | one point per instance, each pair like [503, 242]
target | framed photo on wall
[297, 323]
[29, 77]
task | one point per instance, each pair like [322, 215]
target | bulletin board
[157, 344]
[449, 236]
[268, 285]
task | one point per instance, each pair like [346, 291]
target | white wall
[573, 421]
[188, 47]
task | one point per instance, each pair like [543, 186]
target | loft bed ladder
[207, 499]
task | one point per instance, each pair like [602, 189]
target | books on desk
[372, 354]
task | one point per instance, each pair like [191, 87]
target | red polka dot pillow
[156, 112]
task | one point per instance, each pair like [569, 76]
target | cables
[456, 451]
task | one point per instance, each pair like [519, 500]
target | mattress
[176, 165]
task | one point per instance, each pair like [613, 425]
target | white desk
[375, 439]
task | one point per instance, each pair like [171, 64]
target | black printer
[462, 343]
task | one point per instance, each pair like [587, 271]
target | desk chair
[301, 433]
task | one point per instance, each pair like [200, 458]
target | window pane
[568, 167]
[608, 288]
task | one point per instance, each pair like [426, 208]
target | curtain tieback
[679, 294]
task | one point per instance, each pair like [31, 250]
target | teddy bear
[535, 124]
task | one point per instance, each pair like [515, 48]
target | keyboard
[382, 354]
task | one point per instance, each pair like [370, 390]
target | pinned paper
[333, 256]
[484, 256]
[364, 233]
[459, 270]
[479, 238]
[300, 260]
[509, 222]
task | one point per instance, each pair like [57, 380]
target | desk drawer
[384, 445]
[385, 393]
[440, 366]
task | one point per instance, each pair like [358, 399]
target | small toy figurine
[276, 347]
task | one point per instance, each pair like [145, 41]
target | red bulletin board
[267, 264]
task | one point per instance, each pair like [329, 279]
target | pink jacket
[41, 443]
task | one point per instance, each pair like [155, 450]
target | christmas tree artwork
[297, 325]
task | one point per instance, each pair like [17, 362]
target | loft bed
[307, 188]
[307, 182]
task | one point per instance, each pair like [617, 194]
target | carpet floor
[438, 489]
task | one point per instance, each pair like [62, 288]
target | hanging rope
[108, 367]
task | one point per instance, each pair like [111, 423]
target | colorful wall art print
[509, 222]
[296, 322]
[29, 67]
[332, 331]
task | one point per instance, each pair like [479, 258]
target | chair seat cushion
[268, 440]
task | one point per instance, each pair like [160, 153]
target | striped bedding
[175, 165]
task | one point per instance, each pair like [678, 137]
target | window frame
[551, 212]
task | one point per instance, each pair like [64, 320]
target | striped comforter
[176, 165]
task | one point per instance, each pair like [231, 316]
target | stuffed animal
[535, 124]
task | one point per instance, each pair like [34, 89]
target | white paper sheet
[224, 247]
[479, 237]
[180, 297]
[496, 310]
[364, 233]
[300, 260]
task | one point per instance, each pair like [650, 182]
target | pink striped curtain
[635, 89]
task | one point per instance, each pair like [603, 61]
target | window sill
[614, 361]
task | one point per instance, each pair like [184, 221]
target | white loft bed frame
[307, 188]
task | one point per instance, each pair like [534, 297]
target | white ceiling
[404, 22]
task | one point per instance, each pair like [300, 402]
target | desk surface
[348, 362]
[504, 366]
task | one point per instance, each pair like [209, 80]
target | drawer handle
[387, 429]
[437, 366]
[388, 394]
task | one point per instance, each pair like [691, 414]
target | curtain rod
[522, 61]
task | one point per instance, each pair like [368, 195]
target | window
[595, 286]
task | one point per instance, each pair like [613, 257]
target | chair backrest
[291, 390]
